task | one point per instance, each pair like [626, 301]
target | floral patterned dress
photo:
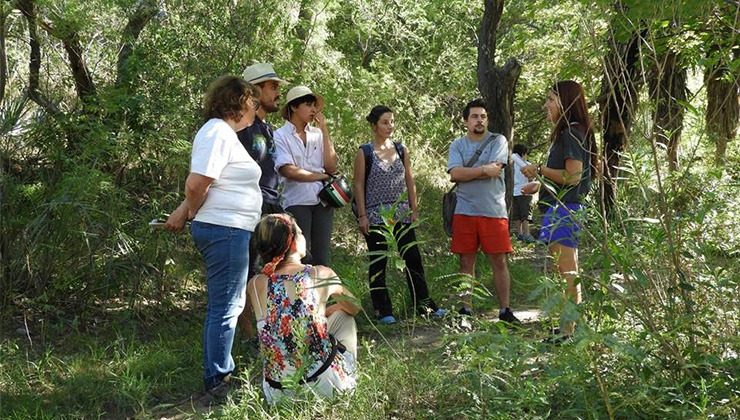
[294, 340]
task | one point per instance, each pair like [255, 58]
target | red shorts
[469, 233]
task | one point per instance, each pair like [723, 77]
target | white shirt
[291, 151]
[234, 198]
[519, 179]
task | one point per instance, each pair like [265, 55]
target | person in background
[571, 164]
[521, 210]
[257, 139]
[481, 219]
[304, 338]
[306, 157]
[382, 176]
[223, 200]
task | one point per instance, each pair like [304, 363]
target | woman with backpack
[385, 195]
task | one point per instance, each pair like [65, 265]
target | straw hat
[299, 92]
[261, 72]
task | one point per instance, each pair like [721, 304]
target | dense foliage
[99, 101]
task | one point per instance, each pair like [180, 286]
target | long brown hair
[574, 116]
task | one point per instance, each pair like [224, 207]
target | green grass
[147, 366]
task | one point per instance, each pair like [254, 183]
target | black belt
[336, 346]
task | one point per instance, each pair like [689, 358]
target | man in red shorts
[481, 220]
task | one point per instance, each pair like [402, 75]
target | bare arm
[346, 302]
[465, 174]
[571, 175]
[410, 184]
[196, 189]
[257, 293]
[359, 192]
[294, 173]
[330, 156]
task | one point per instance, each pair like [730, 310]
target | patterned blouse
[294, 338]
[385, 184]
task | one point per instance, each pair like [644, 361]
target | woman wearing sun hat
[305, 157]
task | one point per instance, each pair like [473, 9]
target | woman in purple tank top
[384, 189]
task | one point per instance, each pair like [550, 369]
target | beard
[271, 107]
[479, 130]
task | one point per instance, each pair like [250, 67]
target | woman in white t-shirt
[223, 200]
[305, 157]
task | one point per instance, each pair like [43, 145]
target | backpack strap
[400, 151]
[478, 152]
[367, 150]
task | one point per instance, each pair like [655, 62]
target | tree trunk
[3, 55]
[618, 104]
[145, 11]
[723, 108]
[668, 91]
[28, 9]
[497, 85]
[303, 31]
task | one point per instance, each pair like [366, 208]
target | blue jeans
[226, 254]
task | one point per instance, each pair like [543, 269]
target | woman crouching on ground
[302, 339]
[571, 164]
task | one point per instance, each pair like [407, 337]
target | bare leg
[524, 228]
[567, 260]
[467, 266]
[501, 278]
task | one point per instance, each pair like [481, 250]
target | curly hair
[227, 97]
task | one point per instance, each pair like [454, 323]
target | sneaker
[465, 311]
[508, 316]
[387, 320]
[529, 239]
[439, 313]
[219, 393]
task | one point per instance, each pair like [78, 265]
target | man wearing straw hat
[258, 140]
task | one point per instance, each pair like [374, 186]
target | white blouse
[290, 150]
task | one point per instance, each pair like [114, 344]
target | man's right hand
[492, 170]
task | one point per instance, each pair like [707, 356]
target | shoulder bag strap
[478, 152]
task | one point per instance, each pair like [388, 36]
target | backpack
[367, 151]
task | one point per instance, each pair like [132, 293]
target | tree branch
[84, 84]
[28, 9]
[145, 11]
